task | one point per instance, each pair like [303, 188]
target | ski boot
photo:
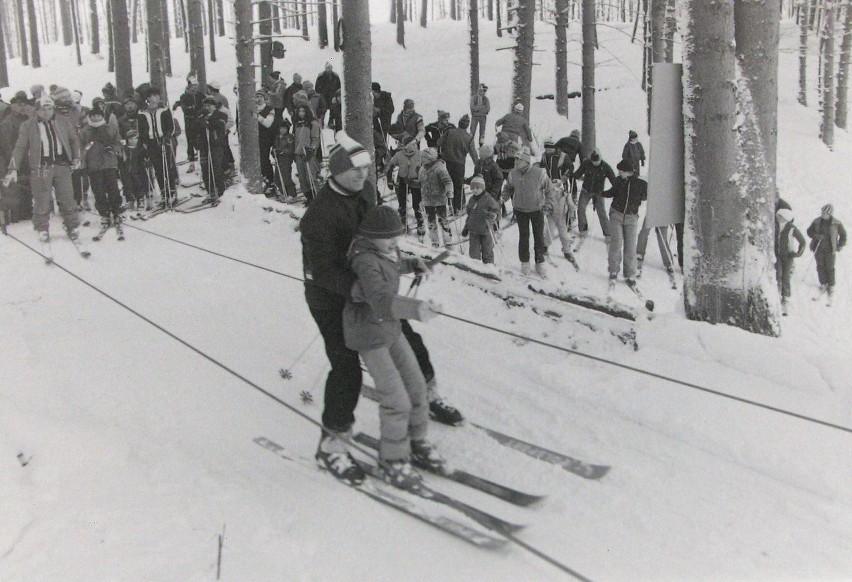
[443, 412]
[105, 224]
[571, 259]
[333, 457]
[541, 270]
[424, 455]
[43, 236]
[401, 474]
[525, 269]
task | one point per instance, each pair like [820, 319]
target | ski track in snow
[141, 450]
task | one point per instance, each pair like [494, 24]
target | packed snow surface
[126, 435]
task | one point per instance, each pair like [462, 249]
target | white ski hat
[214, 84]
[519, 106]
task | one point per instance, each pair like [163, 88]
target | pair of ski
[572, 465]
[47, 249]
[648, 303]
[204, 205]
[376, 489]
[160, 209]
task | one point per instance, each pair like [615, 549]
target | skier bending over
[371, 325]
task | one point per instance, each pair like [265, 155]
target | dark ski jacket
[327, 228]
[571, 146]
[492, 174]
[555, 171]
[635, 153]
[594, 176]
[383, 109]
[627, 194]
[784, 242]
[828, 234]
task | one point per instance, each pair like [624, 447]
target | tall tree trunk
[826, 130]
[121, 46]
[220, 13]
[335, 19]
[400, 23]
[95, 39]
[562, 57]
[473, 22]
[211, 12]
[167, 43]
[276, 19]
[181, 4]
[75, 21]
[671, 27]
[757, 28]
[195, 20]
[135, 9]
[357, 75]
[322, 24]
[65, 17]
[804, 19]
[264, 28]
[589, 42]
[843, 69]
[491, 10]
[4, 73]
[725, 232]
[525, 44]
[249, 146]
[22, 32]
[305, 20]
[156, 64]
[424, 6]
[111, 51]
[35, 52]
[393, 11]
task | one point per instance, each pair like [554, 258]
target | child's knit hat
[478, 181]
[381, 222]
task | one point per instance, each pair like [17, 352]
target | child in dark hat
[285, 155]
[482, 213]
[371, 326]
[634, 151]
[134, 174]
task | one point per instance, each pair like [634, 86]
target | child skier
[784, 253]
[102, 145]
[436, 188]
[407, 181]
[482, 212]
[371, 326]
[134, 175]
[285, 155]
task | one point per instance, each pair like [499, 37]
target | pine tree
[249, 146]
[156, 64]
[843, 69]
[211, 12]
[4, 73]
[65, 18]
[22, 32]
[322, 24]
[264, 28]
[473, 23]
[826, 131]
[357, 73]
[562, 57]
[589, 44]
[35, 52]
[121, 47]
[400, 22]
[524, 47]
[195, 21]
[95, 27]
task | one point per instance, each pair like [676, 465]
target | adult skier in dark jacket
[594, 173]
[828, 237]
[383, 109]
[634, 151]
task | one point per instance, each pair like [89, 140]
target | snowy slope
[140, 449]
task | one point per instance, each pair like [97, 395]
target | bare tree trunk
[305, 20]
[322, 24]
[167, 43]
[65, 17]
[134, 15]
[4, 73]
[424, 6]
[562, 57]
[400, 22]
[22, 33]
[727, 273]
[95, 39]
[393, 11]
[121, 47]
[843, 69]
[491, 10]
[758, 24]
[211, 12]
[195, 20]
[804, 18]
[184, 28]
[826, 131]
[335, 20]
[499, 24]
[35, 53]
[75, 21]
[247, 109]
[220, 13]
[357, 75]
[111, 51]
[589, 43]
[473, 18]
[264, 28]
[156, 65]
[525, 44]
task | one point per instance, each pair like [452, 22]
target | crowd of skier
[54, 147]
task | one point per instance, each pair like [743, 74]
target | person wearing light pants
[627, 193]
[662, 233]
[555, 217]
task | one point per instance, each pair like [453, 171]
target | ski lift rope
[511, 334]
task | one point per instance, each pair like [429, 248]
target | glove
[427, 310]
[464, 231]
[12, 176]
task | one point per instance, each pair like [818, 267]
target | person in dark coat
[267, 132]
[156, 131]
[455, 146]
[785, 254]
[634, 151]
[17, 199]
[594, 172]
[828, 237]
[285, 155]
[487, 167]
[408, 122]
[328, 83]
[627, 193]
[101, 145]
[191, 103]
[479, 109]
[134, 173]
[290, 91]
[130, 120]
[435, 130]
[383, 109]
[211, 134]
